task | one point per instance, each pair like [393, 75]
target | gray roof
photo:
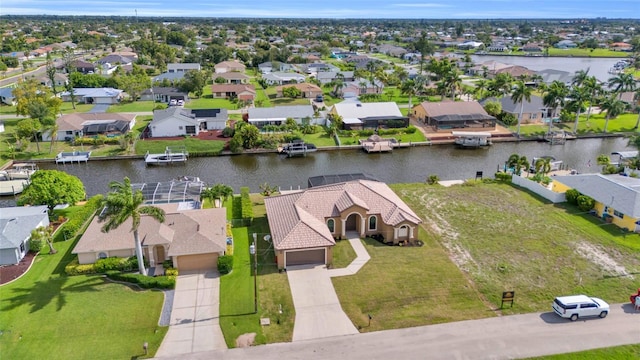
[534, 106]
[619, 192]
[170, 76]
[6, 92]
[281, 112]
[94, 92]
[16, 224]
[551, 75]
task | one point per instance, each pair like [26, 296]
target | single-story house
[278, 115]
[60, 80]
[115, 59]
[630, 98]
[274, 66]
[178, 121]
[90, 124]
[281, 78]
[244, 92]
[362, 86]
[305, 224]
[193, 239]
[232, 77]
[308, 90]
[6, 96]
[617, 197]
[532, 48]
[325, 77]
[516, 71]
[171, 77]
[551, 75]
[95, 95]
[182, 67]
[84, 67]
[164, 94]
[16, 224]
[445, 116]
[533, 111]
[470, 45]
[357, 115]
[565, 44]
[229, 66]
[315, 68]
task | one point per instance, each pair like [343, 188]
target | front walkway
[318, 311]
[195, 322]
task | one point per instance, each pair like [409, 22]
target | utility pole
[253, 250]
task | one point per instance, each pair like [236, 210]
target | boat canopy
[625, 154]
[479, 134]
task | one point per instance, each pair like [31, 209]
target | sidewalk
[362, 257]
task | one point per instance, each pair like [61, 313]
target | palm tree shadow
[42, 293]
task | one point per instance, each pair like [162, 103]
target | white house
[16, 224]
[278, 115]
[281, 78]
[177, 121]
[95, 95]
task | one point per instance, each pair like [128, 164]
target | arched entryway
[352, 223]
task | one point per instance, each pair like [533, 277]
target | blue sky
[421, 9]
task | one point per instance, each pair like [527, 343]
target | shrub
[228, 132]
[433, 179]
[508, 119]
[171, 272]
[36, 245]
[503, 176]
[585, 203]
[165, 264]
[73, 268]
[71, 227]
[572, 196]
[247, 207]
[146, 282]
[114, 263]
[410, 129]
[225, 264]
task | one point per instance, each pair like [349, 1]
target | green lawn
[343, 254]
[415, 137]
[587, 52]
[194, 146]
[48, 315]
[508, 239]
[319, 139]
[623, 123]
[66, 108]
[289, 101]
[392, 59]
[613, 353]
[206, 101]
[137, 106]
[236, 289]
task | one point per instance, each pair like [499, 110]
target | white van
[577, 306]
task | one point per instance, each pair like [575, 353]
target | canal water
[401, 166]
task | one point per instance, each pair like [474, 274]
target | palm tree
[408, 88]
[580, 77]
[123, 203]
[217, 192]
[500, 85]
[53, 133]
[338, 83]
[521, 93]
[44, 233]
[453, 81]
[621, 83]
[481, 88]
[636, 101]
[518, 163]
[543, 165]
[613, 107]
[578, 97]
[593, 88]
[554, 97]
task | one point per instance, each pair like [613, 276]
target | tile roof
[298, 220]
[186, 232]
[434, 109]
[233, 88]
[281, 112]
[75, 121]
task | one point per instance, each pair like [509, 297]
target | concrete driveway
[318, 310]
[99, 108]
[195, 315]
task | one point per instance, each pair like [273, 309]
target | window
[191, 130]
[21, 247]
[618, 214]
[332, 225]
[102, 255]
[373, 223]
[68, 132]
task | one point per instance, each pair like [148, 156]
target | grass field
[137, 106]
[343, 254]
[625, 352]
[48, 315]
[623, 123]
[193, 146]
[319, 139]
[415, 137]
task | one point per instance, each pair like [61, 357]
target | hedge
[225, 264]
[247, 207]
[73, 268]
[145, 282]
[71, 227]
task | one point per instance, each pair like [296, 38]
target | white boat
[21, 171]
[167, 158]
[471, 139]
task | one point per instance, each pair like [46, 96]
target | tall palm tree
[408, 88]
[520, 93]
[578, 96]
[621, 83]
[123, 203]
[217, 192]
[613, 107]
[554, 97]
[580, 77]
[53, 133]
[500, 85]
[481, 89]
[636, 101]
[594, 88]
[453, 81]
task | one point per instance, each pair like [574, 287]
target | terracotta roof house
[532, 48]
[308, 90]
[16, 224]
[617, 197]
[89, 124]
[305, 224]
[95, 95]
[193, 239]
[357, 115]
[244, 92]
[533, 111]
[229, 66]
[278, 115]
[445, 116]
[233, 77]
[515, 71]
[177, 121]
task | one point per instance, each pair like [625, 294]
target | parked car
[173, 102]
[180, 102]
[577, 306]
[319, 98]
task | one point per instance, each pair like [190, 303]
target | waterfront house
[533, 111]
[75, 125]
[551, 75]
[95, 95]
[178, 121]
[356, 115]
[445, 116]
[305, 224]
[193, 239]
[278, 115]
[16, 224]
[617, 197]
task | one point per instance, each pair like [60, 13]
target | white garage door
[198, 262]
[305, 257]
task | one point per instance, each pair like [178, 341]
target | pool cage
[172, 191]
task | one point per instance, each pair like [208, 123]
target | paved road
[506, 337]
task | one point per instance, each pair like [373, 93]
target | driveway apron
[318, 310]
[195, 315]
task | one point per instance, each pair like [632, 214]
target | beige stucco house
[305, 225]
[193, 239]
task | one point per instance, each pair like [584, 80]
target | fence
[539, 189]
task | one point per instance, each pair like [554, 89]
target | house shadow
[45, 292]
[628, 309]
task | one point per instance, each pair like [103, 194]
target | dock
[376, 144]
[297, 148]
[12, 187]
[73, 157]
[471, 139]
[170, 156]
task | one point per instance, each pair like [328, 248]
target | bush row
[71, 227]
[146, 282]
[225, 264]
[584, 202]
[247, 208]
[503, 176]
[102, 266]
